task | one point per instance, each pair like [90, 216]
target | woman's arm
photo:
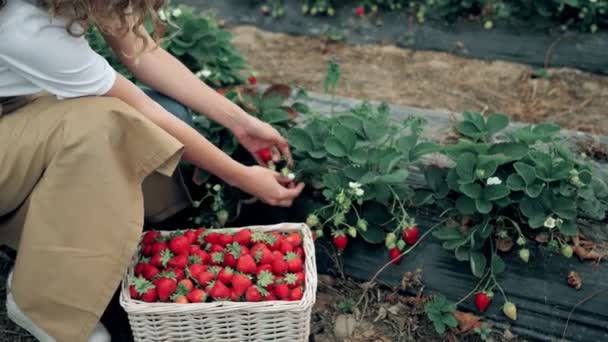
[258, 181]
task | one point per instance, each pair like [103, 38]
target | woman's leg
[72, 204]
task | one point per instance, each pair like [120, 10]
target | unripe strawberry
[362, 225]
[312, 220]
[567, 251]
[521, 241]
[510, 310]
[524, 254]
[222, 217]
[352, 231]
[390, 239]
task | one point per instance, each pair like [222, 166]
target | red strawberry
[255, 294]
[243, 236]
[265, 154]
[340, 241]
[165, 288]
[149, 271]
[280, 266]
[270, 296]
[139, 286]
[294, 239]
[161, 260]
[139, 268]
[191, 236]
[286, 247]
[411, 235]
[235, 296]
[246, 264]
[252, 80]
[212, 238]
[133, 292]
[199, 232]
[158, 247]
[244, 250]
[204, 256]
[179, 261]
[299, 251]
[194, 249]
[277, 255]
[257, 248]
[275, 240]
[187, 284]
[262, 268]
[233, 253]
[217, 258]
[294, 263]
[181, 300]
[178, 272]
[146, 250]
[240, 284]
[296, 294]
[264, 256]
[197, 296]
[150, 237]
[395, 255]
[360, 11]
[225, 275]
[179, 245]
[205, 277]
[282, 291]
[225, 239]
[219, 291]
[195, 269]
[216, 248]
[301, 278]
[482, 301]
[150, 296]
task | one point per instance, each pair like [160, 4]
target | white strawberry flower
[162, 15]
[354, 185]
[176, 12]
[217, 187]
[550, 222]
[494, 181]
[204, 73]
[359, 192]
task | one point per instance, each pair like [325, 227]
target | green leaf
[585, 177]
[462, 253]
[422, 197]
[346, 136]
[468, 129]
[496, 123]
[439, 327]
[530, 207]
[354, 173]
[465, 166]
[476, 119]
[488, 166]
[483, 206]
[301, 108]
[453, 244]
[434, 177]
[369, 177]
[358, 156]
[317, 154]
[352, 122]
[478, 264]
[526, 172]
[546, 130]
[300, 139]
[450, 321]
[516, 182]
[494, 192]
[465, 205]
[389, 160]
[564, 208]
[511, 150]
[568, 228]
[332, 181]
[503, 202]
[275, 116]
[448, 234]
[335, 147]
[536, 221]
[423, 149]
[498, 265]
[472, 190]
[406, 143]
[534, 190]
[374, 234]
[373, 130]
[396, 177]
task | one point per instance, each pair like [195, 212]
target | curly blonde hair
[113, 17]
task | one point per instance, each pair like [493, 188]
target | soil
[433, 80]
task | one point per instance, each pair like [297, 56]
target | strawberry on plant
[243, 237]
[179, 261]
[252, 80]
[360, 11]
[150, 237]
[197, 296]
[165, 288]
[566, 251]
[482, 301]
[395, 255]
[240, 284]
[282, 291]
[296, 294]
[294, 262]
[411, 235]
[225, 275]
[255, 294]
[246, 264]
[179, 245]
[295, 239]
[218, 291]
[222, 217]
[340, 240]
[362, 225]
[524, 254]
[510, 310]
[312, 220]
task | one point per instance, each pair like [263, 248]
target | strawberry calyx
[265, 279]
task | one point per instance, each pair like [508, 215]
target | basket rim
[132, 306]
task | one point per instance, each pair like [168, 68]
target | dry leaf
[542, 238]
[575, 280]
[467, 321]
[508, 335]
[382, 313]
[585, 254]
[504, 245]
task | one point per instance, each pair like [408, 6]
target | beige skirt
[72, 203]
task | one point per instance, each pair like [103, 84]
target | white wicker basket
[280, 321]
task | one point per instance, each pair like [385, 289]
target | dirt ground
[433, 80]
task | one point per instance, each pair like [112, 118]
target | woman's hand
[255, 135]
[269, 186]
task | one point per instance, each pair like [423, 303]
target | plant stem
[476, 287]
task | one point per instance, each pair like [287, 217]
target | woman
[78, 140]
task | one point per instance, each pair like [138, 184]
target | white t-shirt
[38, 54]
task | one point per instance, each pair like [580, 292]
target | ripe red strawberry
[212, 238]
[294, 239]
[139, 286]
[294, 263]
[204, 256]
[270, 297]
[299, 251]
[150, 237]
[197, 296]
[291, 280]
[411, 235]
[218, 291]
[265, 154]
[395, 255]
[187, 285]
[194, 249]
[275, 240]
[150, 296]
[255, 294]
[191, 236]
[146, 250]
[225, 275]
[240, 284]
[286, 247]
[217, 258]
[205, 277]
[246, 264]
[133, 292]
[264, 256]
[277, 255]
[181, 300]
[257, 248]
[178, 273]
[149, 271]
[225, 239]
[140, 266]
[179, 261]
[280, 266]
[482, 301]
[233, 252]
[243, 237]
[194, 270]
[165, 288]
[282, 291]
[179, 245]
[235, 296]
[301, 278]
[216, 248]
[262, 268]
[340, 241]
[158, 247]
[252, 80]
[161, 260]
[244, 250]
[360, 11]
[296, 294]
